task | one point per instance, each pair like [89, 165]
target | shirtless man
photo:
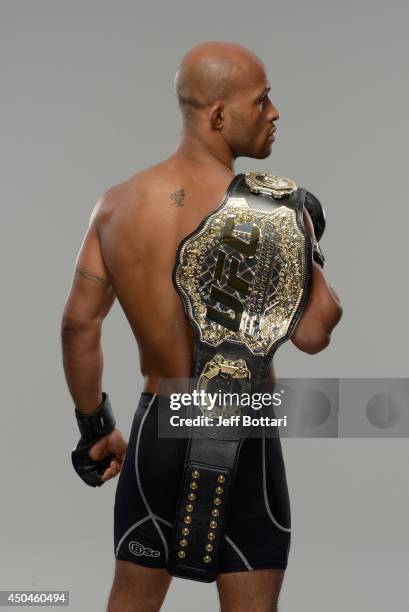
[128, 253]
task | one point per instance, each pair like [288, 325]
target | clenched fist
[112, 444]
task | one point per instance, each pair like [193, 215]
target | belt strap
[205, 494]
[244, 277]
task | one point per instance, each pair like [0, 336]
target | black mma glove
[93, 427]
[316, 212]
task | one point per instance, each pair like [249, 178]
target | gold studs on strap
[215, 512]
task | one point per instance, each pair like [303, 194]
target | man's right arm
[322, 311]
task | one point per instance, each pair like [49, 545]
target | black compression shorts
[258, 525]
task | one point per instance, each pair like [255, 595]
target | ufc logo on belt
[233, 280]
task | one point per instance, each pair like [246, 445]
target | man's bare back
[141, 223]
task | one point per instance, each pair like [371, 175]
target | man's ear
[217, 116]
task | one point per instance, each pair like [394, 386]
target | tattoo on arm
[178, 197]
[93, 277]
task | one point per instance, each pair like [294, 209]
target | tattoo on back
[93, 277]
[178, 197]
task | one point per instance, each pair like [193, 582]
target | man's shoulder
[134, 191]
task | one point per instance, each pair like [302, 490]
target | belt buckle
[231, 373]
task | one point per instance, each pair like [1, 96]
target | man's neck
[195, 148]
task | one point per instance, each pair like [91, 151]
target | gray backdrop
[86, 101]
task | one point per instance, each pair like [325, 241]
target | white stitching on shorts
[138, 479]
[128, 531]
[238, 551]
[163, 520]
[270, 514]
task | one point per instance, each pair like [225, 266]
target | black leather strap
[317, 214]
[230, 365]
[207, 483]
[97, 424]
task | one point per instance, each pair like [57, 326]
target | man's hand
[111, 444]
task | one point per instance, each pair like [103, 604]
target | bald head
[213, 71]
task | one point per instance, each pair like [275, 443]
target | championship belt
[244, 277]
